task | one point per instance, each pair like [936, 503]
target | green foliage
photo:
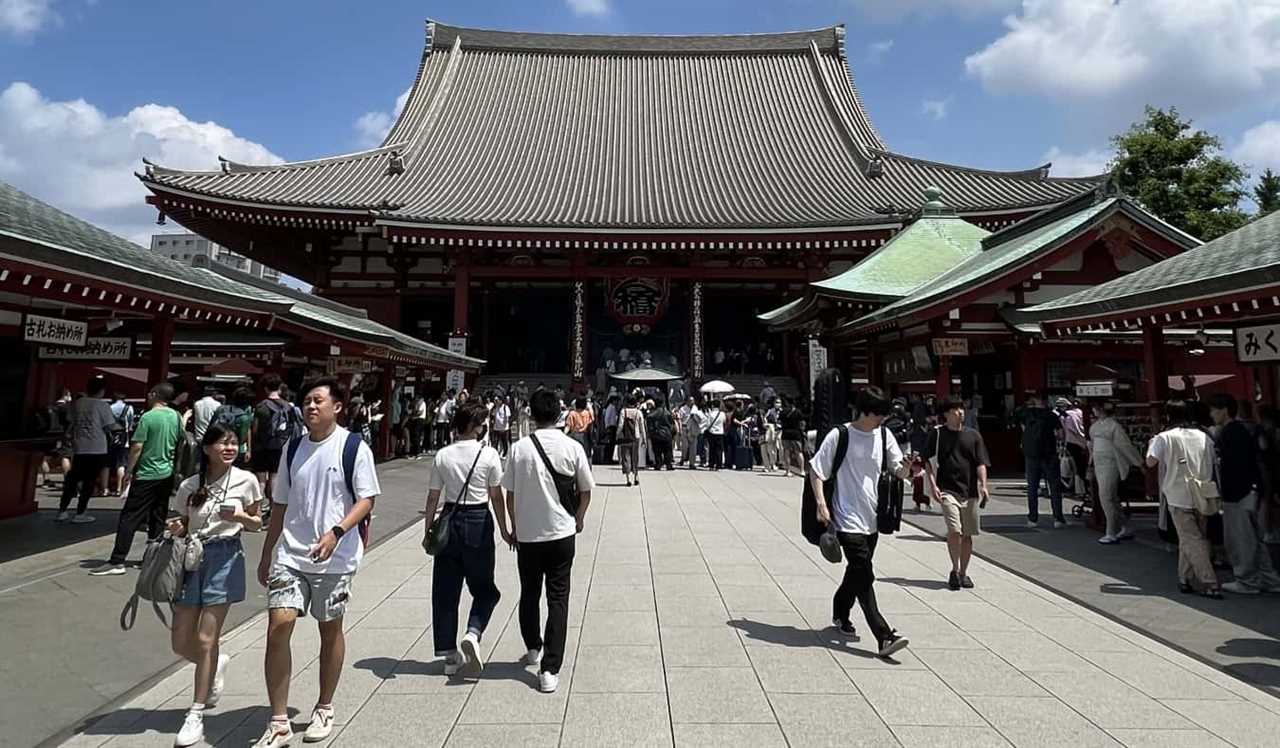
[1266, 193]
[1180, 174]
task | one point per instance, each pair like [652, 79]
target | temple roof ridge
[1038, 173]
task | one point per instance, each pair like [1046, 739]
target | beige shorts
[961, 516]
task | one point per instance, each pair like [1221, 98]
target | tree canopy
[1266, 193]
[1180, 174]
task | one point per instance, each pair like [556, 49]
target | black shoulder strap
[884, 448]
[471, 472]
[541, 453]
[842, 448]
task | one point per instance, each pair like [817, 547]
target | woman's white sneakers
[278, 734]
[321, 725]
[192, 731]
[533, 657]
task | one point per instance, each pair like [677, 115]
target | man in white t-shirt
[854, 504]
[313, 549]
[1180, 452]
[545, 530]
[202, 412]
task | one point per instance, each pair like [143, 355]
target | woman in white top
[216, 504]
[1113, 456]
[1182, 452]
[469, 476]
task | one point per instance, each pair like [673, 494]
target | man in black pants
[91, 421]
[856, 477]
[661, 427]
[544, 530]
[148, 478]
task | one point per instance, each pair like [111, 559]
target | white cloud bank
[74, 156]
[26, 17]
[372, 127]
[1199, 55]
[1083, 164]
[589, 7]
[896, 10]
[1259, 147]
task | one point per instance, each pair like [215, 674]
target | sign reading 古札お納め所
[67, 333]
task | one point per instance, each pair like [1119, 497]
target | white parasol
[716, 387]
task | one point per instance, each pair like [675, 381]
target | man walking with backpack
[275, 424]
[148, 478]
[1040, 432]
[543, 472]
[661, 426]
[118, 449]
[237, 416]
[324, 494]
[854, 473]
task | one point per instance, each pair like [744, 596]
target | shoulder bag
[159, 580]
[438, 533]
[566, 485]
[1205, 496]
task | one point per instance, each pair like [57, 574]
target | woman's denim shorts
[220, 579]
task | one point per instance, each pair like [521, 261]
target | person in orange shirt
[578, 423]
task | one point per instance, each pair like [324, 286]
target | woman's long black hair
[212, 435]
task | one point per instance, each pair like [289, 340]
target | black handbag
[566, 485]
[889, 492]
[437, 537]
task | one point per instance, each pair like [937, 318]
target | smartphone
[229, 506]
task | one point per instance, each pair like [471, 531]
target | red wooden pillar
[1155, 367]
[384, 426]
[942, 380]
[461, 296]
[161, 349]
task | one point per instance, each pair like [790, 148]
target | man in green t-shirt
[149, 477]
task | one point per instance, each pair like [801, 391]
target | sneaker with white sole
[321, 725]
[533, 657]
[454, 662]
[108, 570]
[471, 651]
[192, 731]
[1237, 587]
[1125, 534]
[1108, 539]
[891, 644]
[278, 734]
[845, 628]
[62, 517]
[1059, 524]
[219, 682]
[83, 519]
[548, 682]
[1032, 523]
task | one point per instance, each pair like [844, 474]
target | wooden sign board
[950, 346]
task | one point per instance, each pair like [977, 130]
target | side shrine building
[545, 200]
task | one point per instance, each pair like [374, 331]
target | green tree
[1266, 193]
[1180, 174]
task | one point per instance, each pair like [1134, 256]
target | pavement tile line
[734, 519]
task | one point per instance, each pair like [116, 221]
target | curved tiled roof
[762, 131]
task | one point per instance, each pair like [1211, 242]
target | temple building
[544, 201]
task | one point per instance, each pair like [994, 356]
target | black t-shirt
[1039, 433]
[793, 425]
[1238, 472]
[959, 455]
[659, 425]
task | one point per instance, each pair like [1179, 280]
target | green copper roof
[782, 311]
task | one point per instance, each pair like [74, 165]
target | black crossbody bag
[566, 485]
[438, 534]
[889, 492]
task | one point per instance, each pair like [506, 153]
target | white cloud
[26, 17]
[372, 127]
[589, 7]
[1084, 164]
[1200, 55]
[1259, 147]
[877, 50]
[896, 10]
[74, 156]
[936, 108]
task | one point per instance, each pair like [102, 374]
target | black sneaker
[966, 582]
[891, 644]
[953, 582]
[845, 628]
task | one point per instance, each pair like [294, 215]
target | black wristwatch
[337, 531]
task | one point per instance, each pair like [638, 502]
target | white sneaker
[83, 519]
[1057, 525]
[1125, 534]
[1108, 539]
[1240, 588]
[192, 731]
[219, 682]
[533, 657]
[548, 682]
[62, 517]
[1032, 524]
[278, 734]
[108, 570]
[471, 651]
[320, 727]
[454, 662]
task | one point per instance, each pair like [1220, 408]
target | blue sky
[89, 86]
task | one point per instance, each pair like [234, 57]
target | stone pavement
[699, 617]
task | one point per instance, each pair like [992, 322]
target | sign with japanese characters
[349, 365]
[1258, 344]
[951, 346]
[66, 333]
[638, 303]
[1095, 389]
[456, 378]
[817, 361]
[95, 349]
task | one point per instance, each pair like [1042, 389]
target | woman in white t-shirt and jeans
[216, 505]
[469, 474]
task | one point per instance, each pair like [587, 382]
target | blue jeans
[467, 556]
[1046, 468]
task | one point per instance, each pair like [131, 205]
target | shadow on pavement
[1251, 648]
[800, 638]
[389, 668]
[923, 584]
[36, 533]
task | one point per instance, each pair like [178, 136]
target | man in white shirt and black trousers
[857, 478]
[544, 531]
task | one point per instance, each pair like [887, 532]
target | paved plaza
[699, 617]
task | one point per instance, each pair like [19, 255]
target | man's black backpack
[810, 527]
[282, 427]
[123, 428]
[889, 492]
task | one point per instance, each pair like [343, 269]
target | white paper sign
[1258, 343]
[456, 379]
[65, 333]
[95, 349]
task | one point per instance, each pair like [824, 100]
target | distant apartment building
[193, 249]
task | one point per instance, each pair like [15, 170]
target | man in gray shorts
[326, 479]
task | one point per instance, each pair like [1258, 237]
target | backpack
[350, 450]
[282, 427]
[810, 528]
[119, 436]
[627, 432]
[233, 418]
[160, 579]
[889, 492]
